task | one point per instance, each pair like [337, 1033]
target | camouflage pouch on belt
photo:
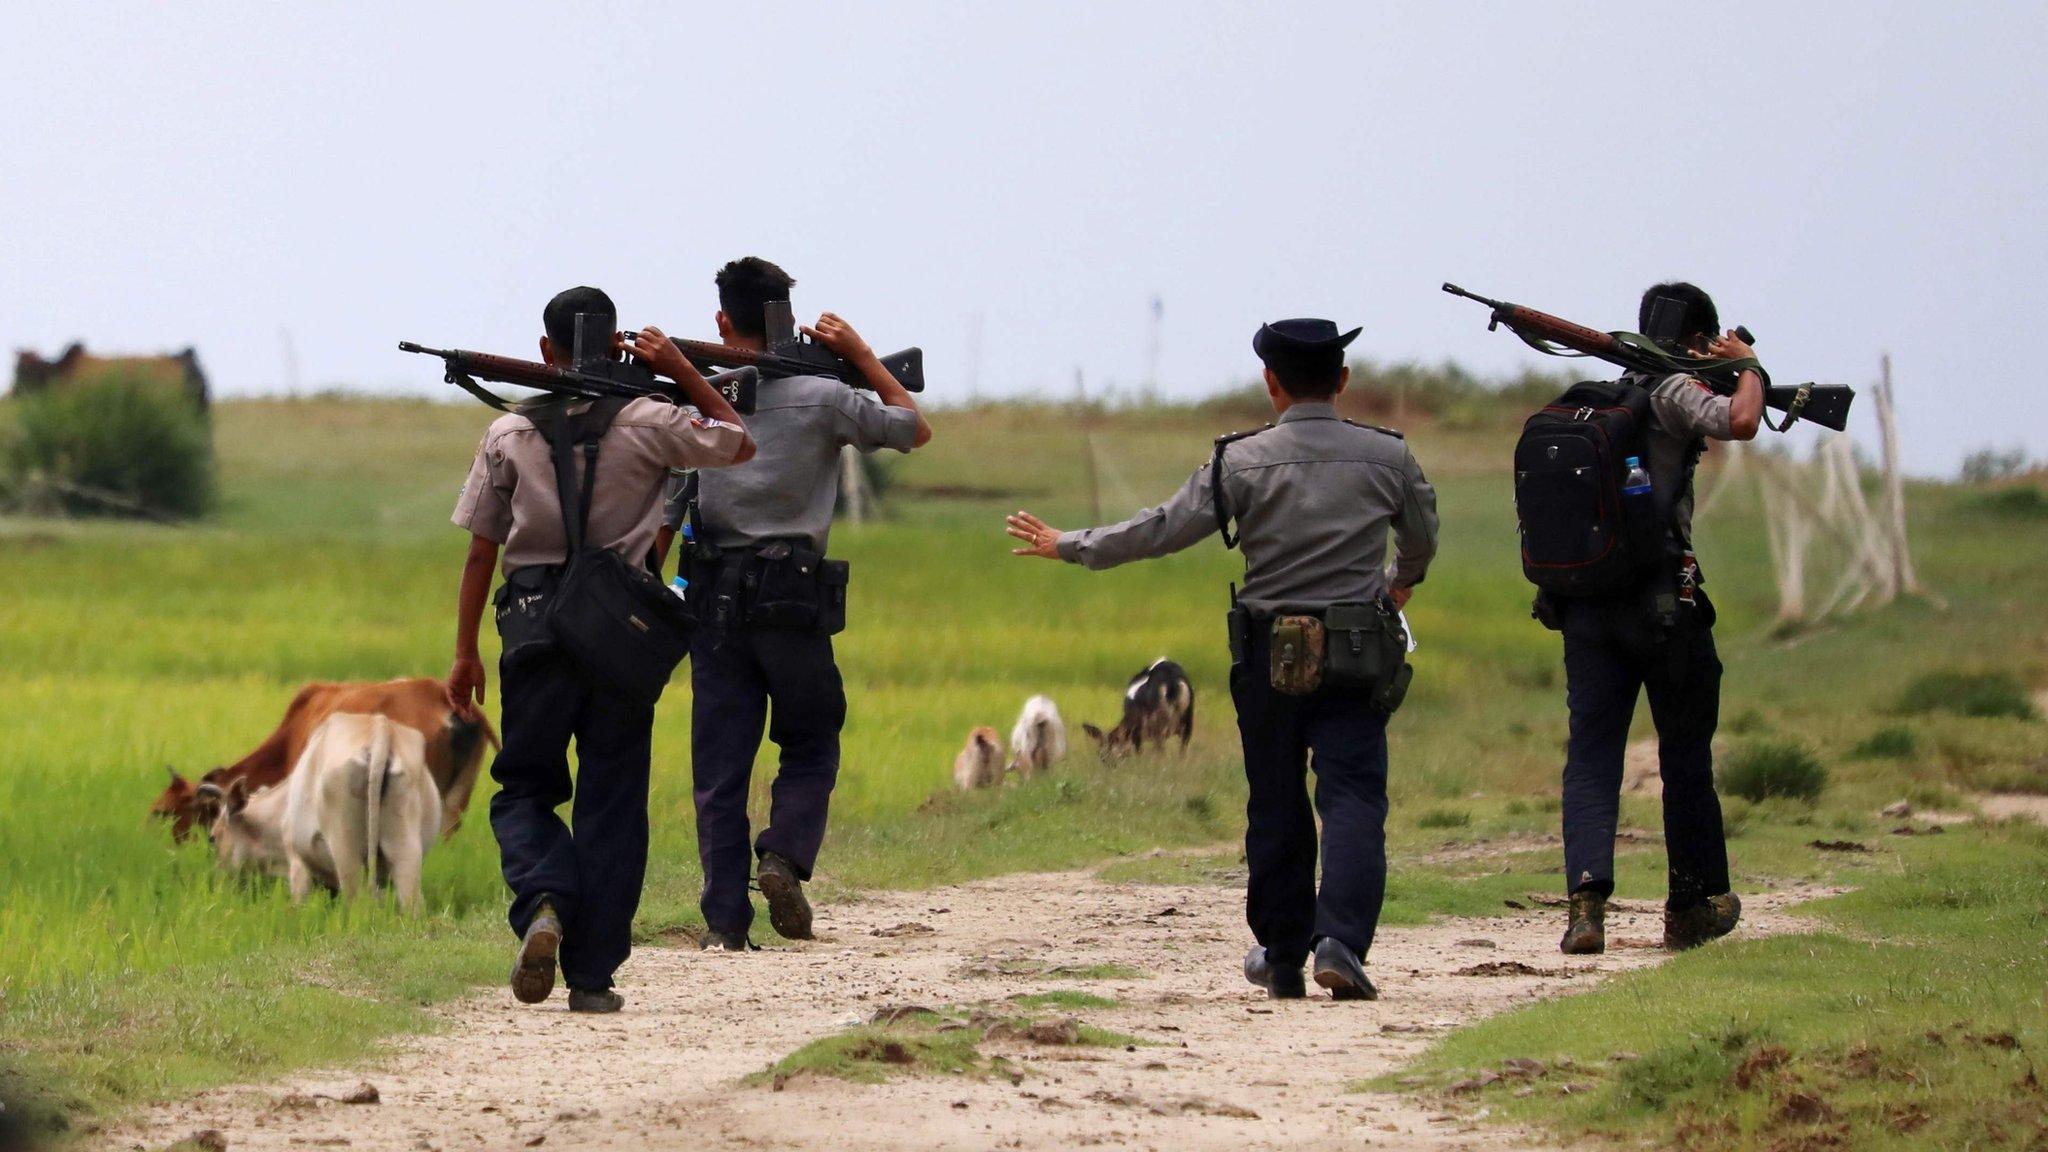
[1297, 655]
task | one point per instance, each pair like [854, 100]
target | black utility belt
[776, 585]
[1345, 646]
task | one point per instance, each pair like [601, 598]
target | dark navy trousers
[1611, 654]
[786, 680]
[593, 866]
[1338, 733]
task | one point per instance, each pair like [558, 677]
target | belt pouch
[1295, 667]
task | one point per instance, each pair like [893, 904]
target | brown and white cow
[1158, 703]
[358, 806]
[454, 748]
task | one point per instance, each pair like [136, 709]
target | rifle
[591, 376]
[789, 354]
[1825, 404]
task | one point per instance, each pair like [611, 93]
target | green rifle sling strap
[468, 384]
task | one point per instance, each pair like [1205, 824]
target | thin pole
[1088, 448]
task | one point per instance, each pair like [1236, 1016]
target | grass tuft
[1444, 818]
[1977, 694]
[1893, 743]
[1768, 769]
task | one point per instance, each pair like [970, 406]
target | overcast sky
[271, 182]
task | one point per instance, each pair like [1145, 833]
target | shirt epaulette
[1394, 432]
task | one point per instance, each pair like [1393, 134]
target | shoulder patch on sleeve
[1702, 385]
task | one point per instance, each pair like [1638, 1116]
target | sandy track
[1224, 1068]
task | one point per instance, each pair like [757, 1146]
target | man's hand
[1400, 596]
[1730, 347]
[1040, 538]
[660, 355]
[466, 687]
[839, 338]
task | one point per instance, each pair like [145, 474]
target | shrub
[2019, 502]
[116, 445]
[1894, 743]
[1967, 694]
[1444, 818]
[1772, 768]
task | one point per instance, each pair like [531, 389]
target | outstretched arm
[1184, 520]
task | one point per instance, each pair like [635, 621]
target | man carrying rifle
[1660, 637]
[768, 602]
[574, 890]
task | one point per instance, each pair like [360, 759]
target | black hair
[559, 317]
[745, 286]
[1698, 315]
[1312, 378]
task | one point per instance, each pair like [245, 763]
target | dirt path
[1224, 1068]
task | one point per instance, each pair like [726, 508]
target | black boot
[586, 1000]
[1279, 983]
[1586, 935]
[1340, 970]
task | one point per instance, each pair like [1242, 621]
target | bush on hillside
[1980, 694]
[116, 445]
[1894, 743]
[1765, 769]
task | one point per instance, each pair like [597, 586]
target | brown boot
[1727, 912]
[1587, 934]
[1689, 927]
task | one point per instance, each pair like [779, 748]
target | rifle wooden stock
[1528, 322]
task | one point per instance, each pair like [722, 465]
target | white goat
[1040, 738]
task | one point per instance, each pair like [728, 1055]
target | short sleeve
[685, 438]
[868, 424]
[1688, 409]
[485, 506]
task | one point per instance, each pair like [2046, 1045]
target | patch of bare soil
[2014, 806]
[1220, 1067]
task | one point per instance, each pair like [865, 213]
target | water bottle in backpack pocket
[1588, 517]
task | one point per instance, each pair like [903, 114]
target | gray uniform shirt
[788, 489]
[1682, 410]
[1314, 499]
[510, 499]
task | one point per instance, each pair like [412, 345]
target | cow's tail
[373, 795]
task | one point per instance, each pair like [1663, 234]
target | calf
[455, 748]
[1159, 702]
[1040, 738]
[980, 763]
[358, 801]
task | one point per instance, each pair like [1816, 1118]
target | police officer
[1314, 496]
[1617, 646]
[574, 892]
[761, 655]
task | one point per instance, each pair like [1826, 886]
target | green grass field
[132, 971]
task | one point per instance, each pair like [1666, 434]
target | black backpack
[1580, 537]
[621, 625]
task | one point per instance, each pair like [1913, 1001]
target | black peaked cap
[1301, 339]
